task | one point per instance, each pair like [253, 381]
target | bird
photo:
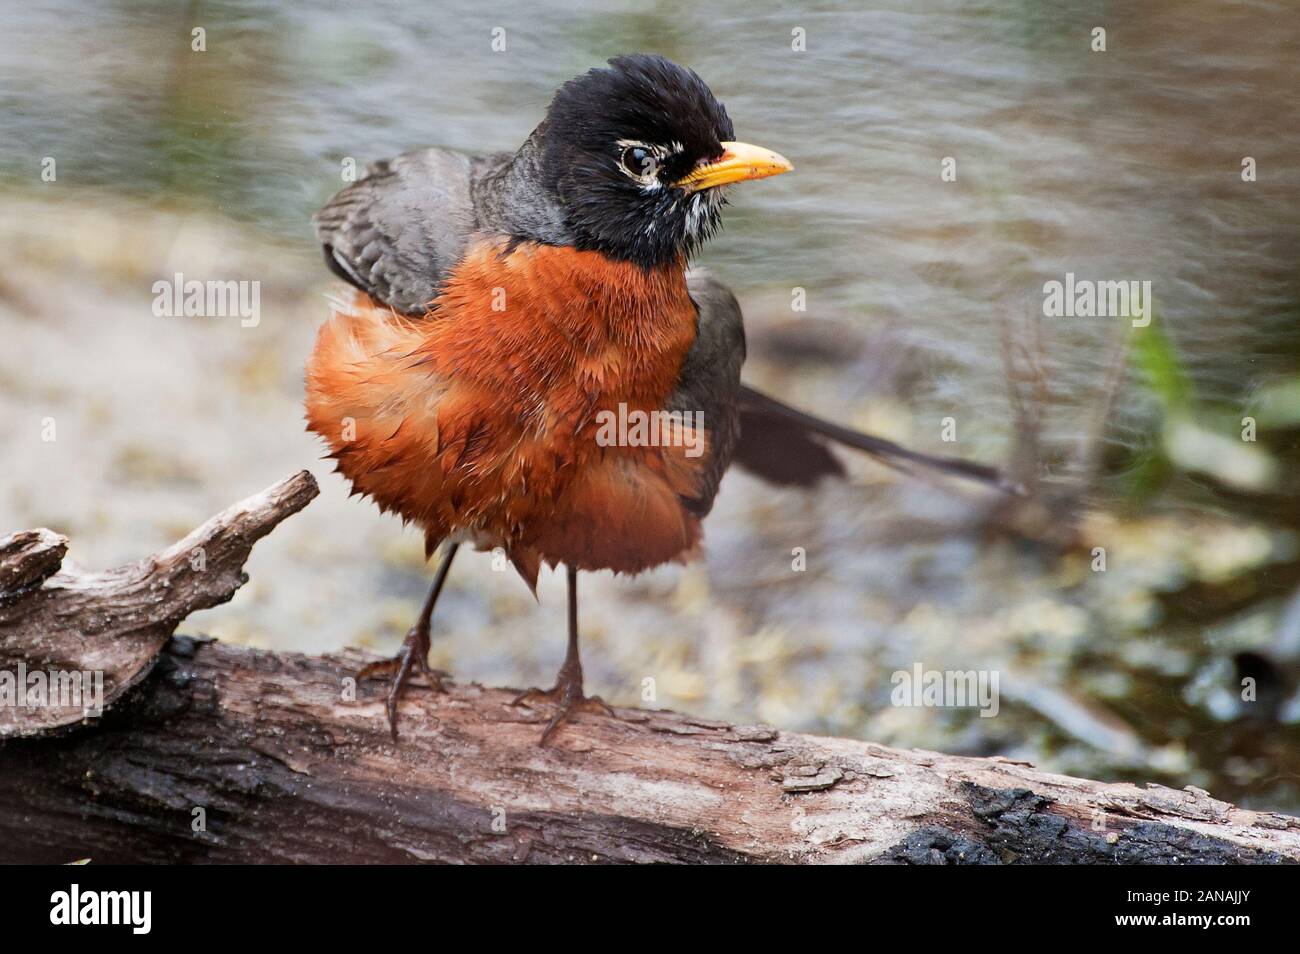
[507, 310]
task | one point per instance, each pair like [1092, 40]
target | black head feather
[615, 140]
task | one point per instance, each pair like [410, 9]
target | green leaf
[1158, 360]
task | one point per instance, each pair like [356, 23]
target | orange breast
[479, 421]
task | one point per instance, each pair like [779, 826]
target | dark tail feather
[777, 443]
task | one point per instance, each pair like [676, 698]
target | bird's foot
[414, 653]
[567, 697]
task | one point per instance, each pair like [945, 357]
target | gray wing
[396, 232]
[710, 380]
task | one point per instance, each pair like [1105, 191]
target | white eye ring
[640, 161]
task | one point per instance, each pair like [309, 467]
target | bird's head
[636, 156]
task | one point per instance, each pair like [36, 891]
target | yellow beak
[739, 161]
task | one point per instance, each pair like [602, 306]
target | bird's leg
[567, 693]
[415, 647]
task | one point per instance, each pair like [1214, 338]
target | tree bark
[70, 620]
[214, 753]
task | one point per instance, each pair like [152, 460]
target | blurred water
[1116, 165]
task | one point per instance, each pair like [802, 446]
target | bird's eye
[640, 162]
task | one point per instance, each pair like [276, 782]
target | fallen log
[214, 753]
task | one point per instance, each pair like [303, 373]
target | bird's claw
[414, 652]
[567, 696]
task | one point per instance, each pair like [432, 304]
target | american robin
[526, 362]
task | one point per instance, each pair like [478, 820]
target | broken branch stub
[99, 633]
